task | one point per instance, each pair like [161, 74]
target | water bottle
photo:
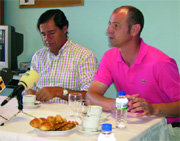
[106, 133]
[121, 110]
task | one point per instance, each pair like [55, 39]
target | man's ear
[65, 29]
[135, 29]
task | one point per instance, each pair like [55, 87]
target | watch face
[65, 92]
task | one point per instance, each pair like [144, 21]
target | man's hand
[140, 105]
[46, 93]
[30, 91]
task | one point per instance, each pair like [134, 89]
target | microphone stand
[20, 102]
[2, 124]
[20, 107]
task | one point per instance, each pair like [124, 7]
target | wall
[88, 25]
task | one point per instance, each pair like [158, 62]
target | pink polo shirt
[154, 75]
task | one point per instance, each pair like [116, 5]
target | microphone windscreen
[29, 79]
[2, 85]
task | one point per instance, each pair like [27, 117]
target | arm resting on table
[167, 109]
[47, 93]
[95, 95]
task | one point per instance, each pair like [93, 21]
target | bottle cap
[106, 127]
[122, 93]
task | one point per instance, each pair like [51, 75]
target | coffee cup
[90, 124]
[94, 110]
[29, 99]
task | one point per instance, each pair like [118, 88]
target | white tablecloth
[18, 129]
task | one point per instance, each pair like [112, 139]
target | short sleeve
[169, 79]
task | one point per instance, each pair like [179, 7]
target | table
[18, 129]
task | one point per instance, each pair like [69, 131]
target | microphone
[2, 85]
[27, 81]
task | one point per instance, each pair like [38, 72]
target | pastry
[46, 126]
[52, 123]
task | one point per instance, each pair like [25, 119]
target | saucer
[80, 129]
[36, 105]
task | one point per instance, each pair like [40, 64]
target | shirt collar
[142, 52]
[64, 47]
[119, 59]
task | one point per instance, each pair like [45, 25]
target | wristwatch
[65, 93]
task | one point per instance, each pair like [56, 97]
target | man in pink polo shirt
[150, 78]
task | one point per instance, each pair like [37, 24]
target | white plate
[36, 105]
[79, 128]
[55, 133]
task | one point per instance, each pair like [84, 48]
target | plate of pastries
[53, 125]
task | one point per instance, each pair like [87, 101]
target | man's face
[118, 30]
[53, 37]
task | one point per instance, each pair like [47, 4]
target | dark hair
[135, 16]
[56, 14]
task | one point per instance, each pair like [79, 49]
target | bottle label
[121, 104]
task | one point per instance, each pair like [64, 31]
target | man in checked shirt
[63, 66]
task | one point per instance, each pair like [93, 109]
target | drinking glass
[74, 100]
[83, 108]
